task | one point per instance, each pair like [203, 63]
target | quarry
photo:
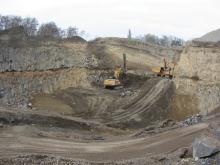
[54, 108]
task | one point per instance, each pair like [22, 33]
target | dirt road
[12, 144]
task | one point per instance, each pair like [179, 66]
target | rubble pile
[192, 120]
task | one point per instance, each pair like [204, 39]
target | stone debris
[126, 92]
[192, 120]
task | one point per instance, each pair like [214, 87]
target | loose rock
[205, 147]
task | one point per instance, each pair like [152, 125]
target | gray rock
[205, 147]
[2, 92]
[214, 160]
[217, 133]
[192, 120]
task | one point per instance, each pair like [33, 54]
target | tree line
[32, 27]
[167, 41]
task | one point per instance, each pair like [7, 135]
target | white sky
[100, 18]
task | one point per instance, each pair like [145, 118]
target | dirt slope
[139, 55]
[151, 105]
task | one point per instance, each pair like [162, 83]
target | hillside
[213, 36]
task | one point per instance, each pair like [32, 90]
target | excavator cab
[165, 71]
[114, 81]
[119, 72]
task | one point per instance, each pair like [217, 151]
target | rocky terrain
[54, 109]
[32, 66]
[198, 77]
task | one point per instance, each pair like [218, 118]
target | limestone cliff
[44, 56]
[197, 78]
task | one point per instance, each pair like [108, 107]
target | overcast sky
[100, 18]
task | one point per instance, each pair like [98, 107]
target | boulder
[217, 133]
[210, 160]
[205, 147]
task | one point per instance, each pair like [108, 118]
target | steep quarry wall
[17, 87]
[41, 66]
[43, 56]
[197, 78]
[104, 53]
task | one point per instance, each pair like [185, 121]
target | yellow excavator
[114, 81]
[165, 71]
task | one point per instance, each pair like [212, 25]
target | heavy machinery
[166, 71]
[119, 72]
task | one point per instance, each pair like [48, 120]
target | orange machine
[166, 71]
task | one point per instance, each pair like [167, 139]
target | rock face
[205, 147]
[43, 57]
[200, 61]
[17, 87]
[106, 53]
[197, 77]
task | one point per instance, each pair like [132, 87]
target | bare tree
[72, 31]
[167, 41]
[30, 26]
[5, 21]
[82, 33]
[62, 33]
[1, 24]
[49, 30]
[10, 22]
[151, 39]
[15, 21]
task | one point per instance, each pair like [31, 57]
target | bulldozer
[119, 73]
[165, 71]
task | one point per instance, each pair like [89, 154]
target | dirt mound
[151, 105]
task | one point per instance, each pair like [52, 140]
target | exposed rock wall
[17, 87]
[200, 61]
[197, 77]
[43, 57]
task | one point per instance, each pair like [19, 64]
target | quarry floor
[96, 124]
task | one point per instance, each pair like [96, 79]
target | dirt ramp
[151, 105]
